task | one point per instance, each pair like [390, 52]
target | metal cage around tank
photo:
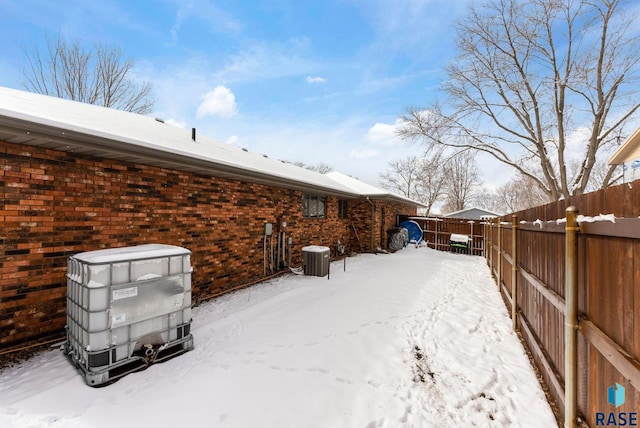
[127, 308]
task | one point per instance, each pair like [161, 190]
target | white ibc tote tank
[127, 308]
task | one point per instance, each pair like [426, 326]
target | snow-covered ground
[418, 338]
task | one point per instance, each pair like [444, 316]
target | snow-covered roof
[472, 213]
[59, 124]
[367, 190]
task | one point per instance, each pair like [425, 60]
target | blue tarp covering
[414, 229]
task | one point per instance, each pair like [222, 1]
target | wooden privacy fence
[437, 232]
[572, 285]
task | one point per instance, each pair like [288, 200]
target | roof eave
[631, 145]
[37, 134]
[389, 197]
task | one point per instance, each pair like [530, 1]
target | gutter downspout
[373, 216]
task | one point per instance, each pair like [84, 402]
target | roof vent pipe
[193, 134]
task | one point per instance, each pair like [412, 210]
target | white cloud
[577, 141]
[384, 134]
[180, 16]
[233, 141]
[311, 79]
[411, 26]
[264, 61]
[219, 102]
[177, 123]
[216, 18]
[363, 154]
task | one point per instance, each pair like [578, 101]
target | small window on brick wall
[342, 208]
[313, 206]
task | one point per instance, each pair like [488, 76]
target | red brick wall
[384, 218]
[55, 204]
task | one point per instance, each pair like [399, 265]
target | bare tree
[528, 76]
[322, 168]
[417, 177]
[462, 180]
[101, 77]
[519, 194]
[403, 176]
[433, 179]
[489, 200]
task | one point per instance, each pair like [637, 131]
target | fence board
[552, 297]
[619, 358]
[437, 232]
[608, 293]
[606, 282]
[552, 379]
[635, 350]
[622, 228]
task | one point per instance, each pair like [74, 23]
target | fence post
[514, 272]
[499, 254]
[484, 242]
[571, 320]
[488, 246]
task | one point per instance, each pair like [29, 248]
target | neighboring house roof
[369, 191]
[59, 124]
[472, 213]
[628, 151]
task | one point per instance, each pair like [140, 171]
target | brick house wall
[384, 218]
[55, 204]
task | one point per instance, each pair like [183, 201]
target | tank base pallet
[110, 374]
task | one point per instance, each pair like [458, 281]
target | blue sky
[309, 81]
